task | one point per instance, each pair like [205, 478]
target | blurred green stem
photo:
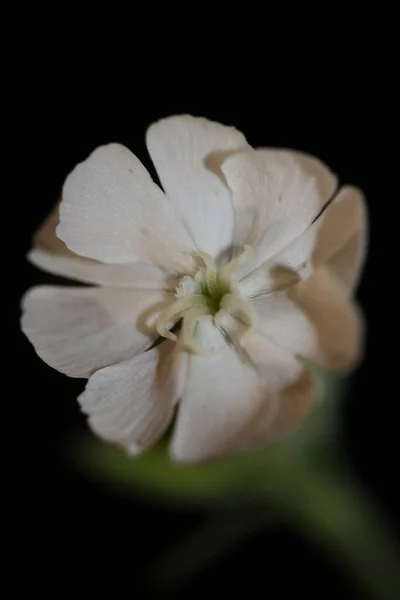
[317, 497]
[328, 505]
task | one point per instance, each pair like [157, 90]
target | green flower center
[210, 292]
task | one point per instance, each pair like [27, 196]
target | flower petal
[52, 255]
[221, 397]
[315, 319]
[187, 153]
[80, 330]
[348, 259]
[112, 211]
[132, 403]
[292, 405]
[276, 195]
[45, 237]
[288, 391]
[139, 276]
[336, 239]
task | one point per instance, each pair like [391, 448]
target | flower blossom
[208, 296]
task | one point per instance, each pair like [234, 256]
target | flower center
[207, 293]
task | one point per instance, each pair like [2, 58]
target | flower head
[207, 296]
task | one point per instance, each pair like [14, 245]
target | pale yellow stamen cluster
[211, 291]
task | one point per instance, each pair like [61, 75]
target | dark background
[69, 535]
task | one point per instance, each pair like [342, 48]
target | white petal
[187, 153]
[221, 397]
[288, 391]
[132, 403]
[52, 255]
[292, 404]
[336, 239]
[276, 194]
[45, 237]
[80, 330]
[347, 261]
[273, 362]
[113, 212]
[315, 319]
[139, 276]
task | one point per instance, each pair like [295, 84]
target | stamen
[231, 267]
[171, 314]
[209, 292]
[211, 272]
[190, 320]
[240, 308]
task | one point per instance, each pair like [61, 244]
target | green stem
[335, 513]
[318, 498]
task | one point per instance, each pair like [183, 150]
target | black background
[68, 535]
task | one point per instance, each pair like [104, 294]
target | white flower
[239, 269]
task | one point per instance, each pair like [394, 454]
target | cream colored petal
[52, 255]
[226, 390]
[45, 238]
[132, 403]
[80, 330]
[341, 236]
[288, 391]
[221, 396]
[139, 276]
[275, 365]
[113, 212]
[315, 319]
[187, 152]
[336, 239]
[276, 195]
[347, 262]
[292, 404]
